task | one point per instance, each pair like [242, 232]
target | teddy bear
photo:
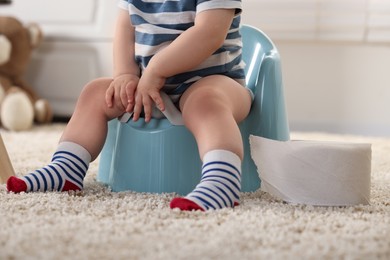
[20, 106]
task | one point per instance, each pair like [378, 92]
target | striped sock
[65, 172]
[219, 186]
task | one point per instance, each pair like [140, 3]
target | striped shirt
[159, 22]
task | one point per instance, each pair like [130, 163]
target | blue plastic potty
[161, 157]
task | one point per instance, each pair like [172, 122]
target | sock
[219, 186]
[65, 172]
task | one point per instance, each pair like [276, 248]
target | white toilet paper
[314, 172]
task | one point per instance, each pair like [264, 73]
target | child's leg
[211, 109]
[80, 144]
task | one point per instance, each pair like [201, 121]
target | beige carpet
[98, 224]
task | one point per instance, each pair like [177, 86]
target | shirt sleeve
[123, 4]
[203, 5]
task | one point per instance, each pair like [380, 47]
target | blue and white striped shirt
[159, 22]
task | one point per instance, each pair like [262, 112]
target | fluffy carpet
[99, 224]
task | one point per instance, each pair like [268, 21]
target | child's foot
[65, 172]
[185, 204]
[17, 185]
[220, 184]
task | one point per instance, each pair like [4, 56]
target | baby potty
[162, 155]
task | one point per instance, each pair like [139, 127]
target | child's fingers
[123, 97]
[147, 104]
[143, 103]
[109, 95]
[137, 107]
[130, 108]
[130, 91]
[156, 97]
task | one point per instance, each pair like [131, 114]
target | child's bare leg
[211, 109]
[80, 144]
[88, 125]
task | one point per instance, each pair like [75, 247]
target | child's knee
[202, 101]
[94, 90]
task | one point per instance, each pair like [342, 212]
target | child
[191, 49]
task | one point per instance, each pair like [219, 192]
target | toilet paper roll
[314, 172]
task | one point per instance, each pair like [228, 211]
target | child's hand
[148, 92]
[121, 92]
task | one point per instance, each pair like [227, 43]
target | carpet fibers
[99, 224]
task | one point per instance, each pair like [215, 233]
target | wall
[333, 85]
[337, 87]
[77, 46]
[329, 86]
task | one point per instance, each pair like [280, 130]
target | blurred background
[335, 56]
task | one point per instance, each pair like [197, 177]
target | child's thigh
[217, 92]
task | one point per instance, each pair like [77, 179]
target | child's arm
[126, 71]
[189, 50]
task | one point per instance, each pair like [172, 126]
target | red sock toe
[16, 185]
[184, 204]
[69, 186]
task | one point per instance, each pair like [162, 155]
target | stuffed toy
[19, 104]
